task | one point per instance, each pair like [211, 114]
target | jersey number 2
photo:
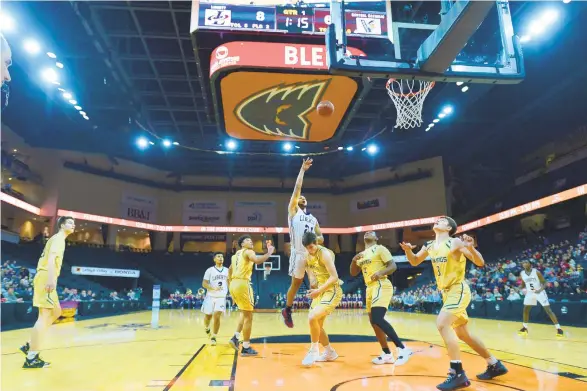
[308, 229]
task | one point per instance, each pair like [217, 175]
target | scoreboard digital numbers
[295, 19]
[289, 19]
[236, 17]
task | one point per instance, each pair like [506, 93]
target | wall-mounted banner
[259, 213]
[319, 211]
[104, 272]
[138, 208]
[203, 212]
[203, 237]
[368, 204]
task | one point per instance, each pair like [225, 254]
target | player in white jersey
[535, 284]
[216, 284]
[300, 222]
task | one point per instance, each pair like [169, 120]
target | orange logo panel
[281, 106]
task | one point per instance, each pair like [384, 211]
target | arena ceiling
[134, 61]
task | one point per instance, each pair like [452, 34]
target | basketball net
[266, 272]
[408, 97]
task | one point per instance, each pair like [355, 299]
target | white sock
[491, 360]
[525, 325]
[31, 354]
[329, 348]
[237, 335]
[558, 326]
[314, 347]
[246, 344]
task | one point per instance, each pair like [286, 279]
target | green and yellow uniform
[380, 292]
[330, 298]
[240, 283]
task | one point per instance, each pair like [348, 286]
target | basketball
[325, 108]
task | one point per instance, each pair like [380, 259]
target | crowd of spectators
[560, 264]
[17, 287]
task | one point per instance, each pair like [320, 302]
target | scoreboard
[294, 19]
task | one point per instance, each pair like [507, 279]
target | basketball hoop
[408, 97]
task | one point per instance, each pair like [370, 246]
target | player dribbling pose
[535, 284]
[45, 293]
[239, 277]
[300, 222]
[216, 285]
[325, 297]
[449, 257]
[376, 263]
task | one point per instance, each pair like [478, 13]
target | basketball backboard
[446, 41]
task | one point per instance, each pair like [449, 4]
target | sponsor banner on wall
[104, 272]
[368, 204]
[255, 213]
[138, 208]
[203, 237]
[318, 210]
[202, 212]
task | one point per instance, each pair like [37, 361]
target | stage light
[436, 120]
[51, 55]
[175, 143]
[465, 89]
[566, 1]
[67, 95]
[549, 16]
[152, 143]
[166, 143]
[537, 27]
[49, 75]
[83, 113]
[525, 38]
[32, 46]
[372, 149]
[460, 83]
[73, 101]
[6, 22]
[431, 125]
[78, 108]
[231, 145]
[349, 148]
[441, 115]
[340, 148]
[287, 147]
[59, 65]
[142, 143]
[86, 117]
[447, 110]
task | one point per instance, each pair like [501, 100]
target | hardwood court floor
[124, 354]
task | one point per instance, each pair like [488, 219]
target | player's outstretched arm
[414, 259]
[318, 232]
[466, 245]
[259, 259]
[297, 191]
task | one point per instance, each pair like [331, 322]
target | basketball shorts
[213, 304]
[242, 294]
[531, 298]
[379, 294]
[297, 264]
[328, 300]
[41, 298]
[455, 300]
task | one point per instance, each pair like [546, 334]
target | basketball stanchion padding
[408, 97]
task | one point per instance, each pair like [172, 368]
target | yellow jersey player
[449, 257]
[376, 263]
[326, 294]
[45, 294]
[239, 277]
